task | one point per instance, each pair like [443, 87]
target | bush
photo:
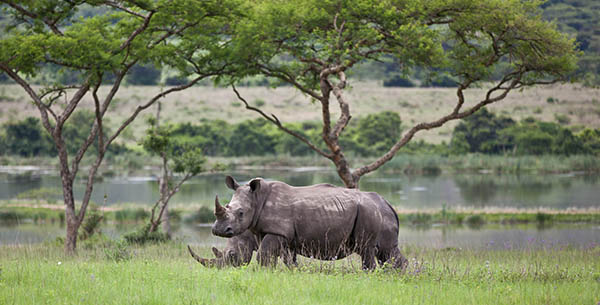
[91, 225]
[474, 220]
[202, 215]
[562, 119]
[398, 81]
[143, 236]
[253, 137]
[145, 75]
[419, 218]
[542, 218]
[9, 217]
[375, 134]
[175, 81]
[131, 215]
[441, 81]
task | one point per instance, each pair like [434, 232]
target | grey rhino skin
[320, 221]
[237, 252]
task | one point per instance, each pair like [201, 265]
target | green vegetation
[45, 193]
[166, 274]
[122, 214]
[483, 132]
[580, 19]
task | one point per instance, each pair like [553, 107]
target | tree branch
[137, 31]
[151, 102]
[36, 99]
[273, 119]
[64, 116]
[345, 116]
[50, 23]
[122, 8]
[284, 76]
[452, 116]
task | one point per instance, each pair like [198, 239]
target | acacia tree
[311, 44]
[189, 163]
[102, 49]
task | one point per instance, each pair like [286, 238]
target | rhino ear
[255, 185]
[217, 253]
[231, 183]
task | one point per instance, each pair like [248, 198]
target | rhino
[320, 221]
[238, 251]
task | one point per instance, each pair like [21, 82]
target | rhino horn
[219, 210]
[205, 262]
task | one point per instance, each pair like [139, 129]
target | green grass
[165, 274]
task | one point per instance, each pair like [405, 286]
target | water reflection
[404, 191]
[439, 237]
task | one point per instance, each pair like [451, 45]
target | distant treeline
[27, 138]
[368, 136]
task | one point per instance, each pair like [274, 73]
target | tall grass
[164, 274]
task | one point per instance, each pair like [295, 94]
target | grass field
[165, 274]
[580, 105]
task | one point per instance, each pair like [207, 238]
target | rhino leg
[392, 256]
[289, 258]
[271, 247]
[367, 254]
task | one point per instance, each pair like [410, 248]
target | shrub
[562, 119]
[143, 236]
[542, 218]
[474, 220]
[90, 226]
[419, 218]
[398, 81]
[131, 215]
[202, 215]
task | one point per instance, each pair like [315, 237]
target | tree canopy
[312, 44]
[103, 48]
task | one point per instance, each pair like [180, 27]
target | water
[438, 237]
[403, 191]
[558, 191]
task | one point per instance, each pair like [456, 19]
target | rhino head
[243, 210]
[237, 252]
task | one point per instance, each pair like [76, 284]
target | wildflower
[59, 263]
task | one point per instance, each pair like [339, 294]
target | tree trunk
[343, 170]
[166, 224]
[71, 218]
[72, 229]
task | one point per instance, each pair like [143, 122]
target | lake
[557, 191]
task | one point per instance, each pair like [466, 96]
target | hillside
[580, 105]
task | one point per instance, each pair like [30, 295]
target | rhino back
[319, 216]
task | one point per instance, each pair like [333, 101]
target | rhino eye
[240, 213]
